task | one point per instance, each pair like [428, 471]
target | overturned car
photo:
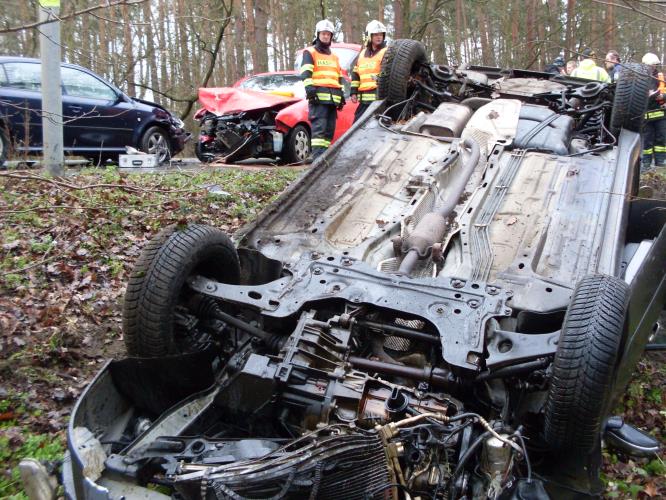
[444, 306]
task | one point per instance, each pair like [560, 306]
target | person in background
[322, 79]
[366, 71]
[654, 128]
[556, 67]
[572, 64]
[588, 69]
[613, 65]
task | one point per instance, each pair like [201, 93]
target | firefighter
[589, 70]
[654, 129]
[366, 71]
[322, 78]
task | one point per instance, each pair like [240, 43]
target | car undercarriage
[443, 306]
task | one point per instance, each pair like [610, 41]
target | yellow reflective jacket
[589, 70]
[322, 71]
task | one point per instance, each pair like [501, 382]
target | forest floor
[66, 249]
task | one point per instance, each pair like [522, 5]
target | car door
[21, 103]
[345, 117]
[96, 116]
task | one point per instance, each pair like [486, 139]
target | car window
[3, 76]
[26, 76]
[80, 84]
[346, 57]
[271, 82]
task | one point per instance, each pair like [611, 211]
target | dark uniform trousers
[654, 142]
[322, 120]
[362, 108]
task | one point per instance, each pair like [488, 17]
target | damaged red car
[238, 123]
[264, 116]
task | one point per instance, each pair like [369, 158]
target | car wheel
[401, 60]
[155, 141]
[4, 148]
[156, 290]
[585, 362]
[297, 148]
[631, 98]
[203, 156]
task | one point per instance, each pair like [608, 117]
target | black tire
[135, 285]
[631, 98]
[4, 148]
[156, 141]
[401, 60]
[203, 156]
[585, 362]
[297, 146]
[156, 288]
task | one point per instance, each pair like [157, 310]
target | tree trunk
[347, 20]
[129, 51]
[458, 31]
[261, 35]
[515, 32]
[571, 28]
[610, 28]
[483, 32]
[397, 12]
[151, 57]
[531, 32]
[250, 32]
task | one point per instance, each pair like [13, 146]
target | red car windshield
[275, 82]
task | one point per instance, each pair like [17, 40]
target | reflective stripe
[307, 67]
[647, 151]
[590, 71]
[325, 82]
[320, 143]
[660, 149]
[355, 84]
[651, 115]
[325, 96]
[369, 97]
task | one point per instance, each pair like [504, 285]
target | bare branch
[73, 14]
[629, 6]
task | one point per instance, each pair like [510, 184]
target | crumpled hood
[225, 100]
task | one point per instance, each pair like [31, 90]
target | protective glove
[342, 103]
[311, 95]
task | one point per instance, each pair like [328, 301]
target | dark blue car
[99, 120]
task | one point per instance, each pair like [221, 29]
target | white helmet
[650, 59]
[375, 27]
[324, 25]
